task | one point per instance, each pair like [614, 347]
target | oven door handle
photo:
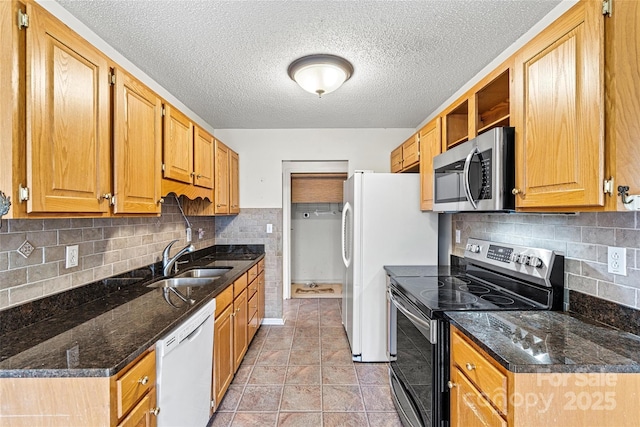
[465, 176]
[430, 325]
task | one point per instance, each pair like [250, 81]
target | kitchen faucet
[167, 262]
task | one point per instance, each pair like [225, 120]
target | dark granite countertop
[547, 341]
[112, 329]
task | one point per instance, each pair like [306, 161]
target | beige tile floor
[301, 374]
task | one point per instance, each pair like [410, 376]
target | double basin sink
[194, 277]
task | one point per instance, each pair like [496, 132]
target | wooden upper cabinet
[234, 182]
[430, 143]
[178, 146]
[559, 116]
[622, 86]
[222, 178]
[396, 160]
[137, 138]
[203, 158]
[67, 93]
[406, 156]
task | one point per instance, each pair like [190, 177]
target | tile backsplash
[107, 246]
[582, 238]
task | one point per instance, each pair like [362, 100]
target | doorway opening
[312, 209]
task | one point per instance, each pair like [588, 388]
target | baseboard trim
[273, 321]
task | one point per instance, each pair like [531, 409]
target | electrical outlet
[617, 260]
[72, 256]
[200, 233]
[457, 236]
[189, 235]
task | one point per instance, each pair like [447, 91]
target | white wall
[263, 150]
[315, 243]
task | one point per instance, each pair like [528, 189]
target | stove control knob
[514, 257]
[523, 259]
[475, 249]
[468, 247]
[534, 261]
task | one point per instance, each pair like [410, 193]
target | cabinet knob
[451, 384]
[154, 411]
[144, 380]
[106, 196]
[237, 309]
[193, 174]
[516, 191]
[198, 176]
[470, 366]
[161, 201]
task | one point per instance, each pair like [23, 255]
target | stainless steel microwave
[477, 175]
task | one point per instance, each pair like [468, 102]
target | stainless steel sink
[180, 282]
[209, 273]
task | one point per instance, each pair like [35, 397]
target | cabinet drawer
[487, 378]
[469, 406]
[253, 288]
[253, 273]
[239, 285]
[135, 383]
[144, 412]
[261, 265]
[223, 300]
[252, 307]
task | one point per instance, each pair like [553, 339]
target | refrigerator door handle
[346, 257]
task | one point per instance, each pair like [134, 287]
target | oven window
[414, 366]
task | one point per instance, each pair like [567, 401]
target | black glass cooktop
[459, 293]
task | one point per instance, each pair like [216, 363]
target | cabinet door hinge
[23, 193]
[23, 20]
[113, 200]
[608, 186]
[606, 7]
[164, 112]
[163, 167]
[112, 78]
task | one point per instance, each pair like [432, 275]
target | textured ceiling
[227, 60]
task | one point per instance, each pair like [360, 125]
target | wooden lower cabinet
[484, 393]
[223, 360]
[240, 337]
[144, 414]
[126, 399]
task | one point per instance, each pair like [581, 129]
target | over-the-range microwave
[477, 175]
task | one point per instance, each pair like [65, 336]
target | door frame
[299, 166]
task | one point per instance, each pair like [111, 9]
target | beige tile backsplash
[583, 239]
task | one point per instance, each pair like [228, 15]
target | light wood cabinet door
[143, 415]
[222, 179]
[559, 112]
[261, 283]
[396, 159]
[430, 143]
[240, 320]
[234, 182]
[203, 158]
[411, 152]
[137, 139]
[178, 146]
[223, 360]
[68, 147]
[468, 407]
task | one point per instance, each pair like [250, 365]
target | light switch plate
[269, 228]
[617, 260]
[71, 256]
[457, 236]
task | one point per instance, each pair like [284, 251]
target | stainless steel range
[496, 276]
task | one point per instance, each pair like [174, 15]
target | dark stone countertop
[112, 329]
[555, 342]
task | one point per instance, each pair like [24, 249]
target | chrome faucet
[167, 263]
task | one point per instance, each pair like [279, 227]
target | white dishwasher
[184, 369]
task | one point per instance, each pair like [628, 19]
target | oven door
[413, 339]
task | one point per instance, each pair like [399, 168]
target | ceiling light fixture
[320, 74]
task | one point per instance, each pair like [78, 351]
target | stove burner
[476, 289]
[450, 297]
[498, 299]
[457, 280]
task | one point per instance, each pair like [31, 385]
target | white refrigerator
[381, 225]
